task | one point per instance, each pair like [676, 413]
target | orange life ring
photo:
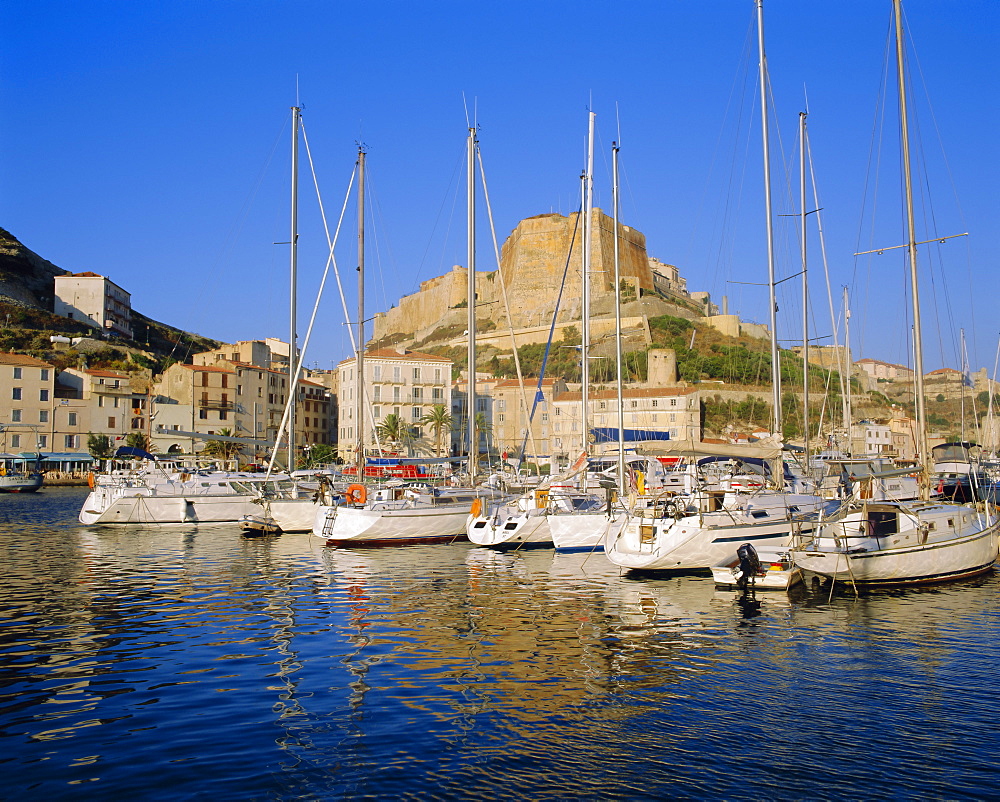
[356, 494]
[90, 480]
[477, 508]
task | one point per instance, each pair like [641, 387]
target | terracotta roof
[22, 361]
[527, 383]
[634, 392]
[392, 353]
[941, 371]
[86, 274]
[208, 369]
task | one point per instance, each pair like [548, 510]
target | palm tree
[439, 420]
[221, 448]
[394, 429]
[482, 427]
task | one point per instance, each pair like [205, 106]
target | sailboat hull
[931, 543]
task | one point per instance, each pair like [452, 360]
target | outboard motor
[749, 565]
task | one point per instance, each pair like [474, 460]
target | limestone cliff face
[532, 262]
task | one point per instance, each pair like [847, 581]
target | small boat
[257, 525]
[20, 473]
[773, 569]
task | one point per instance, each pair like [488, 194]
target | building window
[111, 423]
[416, 413]
[377, 393]
[673, 402]
[545, 417]
[395, 373]
[15, 416]
[115, 404]
[656, 403]
[635, 404]
[137, 423]
[604, 405]
[417, 395]
[500, 418]
[43, 395]
[437, 375]
[395, 393]
[377, 372]
[416, 374]
[223, 415]
[70, 441]
[203, 414]
[437, 394]
[43, 416]
[16, 394]
[43, 441]
[17, 373]
[72, 419]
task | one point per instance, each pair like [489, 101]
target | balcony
[209, 403]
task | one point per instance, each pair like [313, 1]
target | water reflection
[156, 658]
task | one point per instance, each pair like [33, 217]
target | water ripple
[187, 662]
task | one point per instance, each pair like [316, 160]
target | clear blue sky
[149, 141]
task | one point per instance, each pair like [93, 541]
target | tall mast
[588, 194]
[359, 452]
[911, 247]
[471, 259]
[765, 139]
[294, 243]
[805, 285]
[615, 203]
[847, 365]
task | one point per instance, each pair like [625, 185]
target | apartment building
[674, 410]
[94, 299]
[27, 390]
[97, 402]
[512, 404]
[397, 382]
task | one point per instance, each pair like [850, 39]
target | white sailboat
[588, 529]
[525, 521]
[915, 542]
[699, 532]
[398, 515]
[167, 491]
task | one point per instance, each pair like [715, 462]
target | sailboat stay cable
[319, 293]
[552, 329]
[522, 397]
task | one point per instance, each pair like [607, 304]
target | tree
[482, 428]
[99, 446]
[139, 440]
[394, 429]
[221, 448]
[438, 420]
[317, 455]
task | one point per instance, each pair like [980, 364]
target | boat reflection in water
[432, 670]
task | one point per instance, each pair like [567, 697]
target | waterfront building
[675, 410]
[26, 398]
[512, 403]
[398, 382]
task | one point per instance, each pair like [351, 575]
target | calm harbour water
[190, 663]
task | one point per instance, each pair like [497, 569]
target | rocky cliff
[25, 277]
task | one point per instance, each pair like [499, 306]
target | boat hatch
[758, 513]
[882, 524]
